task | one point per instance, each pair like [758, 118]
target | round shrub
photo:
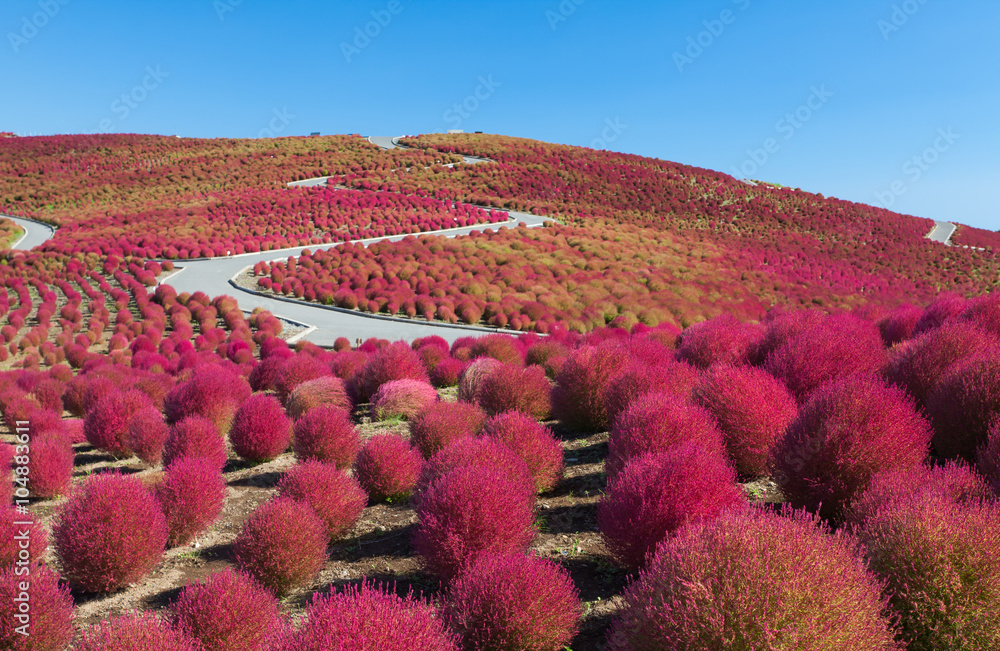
[134, 631]
[282, 545]
[228, 611]
[639, 378]
[900, 324]
[519, 388]
[578, 397]
[444, 422]
[513, 601]
[988, 457]
[326, 434]
[10, 548]
[261, 430]
[475, 451]
[110, 533]
[195, 437]
[49, 625]
[468, 512]
[327, 390]
[655, 422]
[722, 340]
[533, 442]
[503, 348]
[264, 376]
[471, 381]
[402, 399]
[943, 309]
[106, 425]
[850, 430]
[656, 494]
[211, 392]
[335, 497]
[191, 495]
[754, 580]
[387, 468]
[963, 405]
[751, 409]
[984, 313]
[397, 361]
[146, 435]
[50, 465]
[297, 370]
[369, 618]
[447, 372]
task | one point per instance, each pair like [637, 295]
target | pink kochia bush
[49, 624]
[513, 601]
[387, 468]
[296, 371]
[752, 410]
[282, 545]
[656, 494]
[106, 424]
[964, 404]
[533, 442]
[396, 361]
[228, 611]
[147, 434]
[476, 451]
[402, 399]
[335, 497]
[516, 387]
[988, 457]
[134, 631]
[327, 390]
[470, 383]
[444, 422]
[326, 434]
[722, 340]
[468, 512]
[369, 618]
[191, 495]
[212, 392]
[50, 465]
[639, 378]
[261, 430]
[850, 430]
[109, 533]
[752, 579]
[195, 437]
[10, 542]
[578, 397]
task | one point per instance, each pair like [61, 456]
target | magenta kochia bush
[335, 497]
[578, 397]
[516, 387]
[444, 422]
[282, 545]
[297, 370]
[752, 410]
[656, 494]
[109, 533]
[394, 362]
[468, 512]
[470, 383]
[326, 434]
[988, 457]
[756, 580]
[49, 624]
[134, 631]
[11, 539]
[850, 430]
[722, 340]
[147, 434]
[212, 391]
[369, 618]
[191, 495]
[476, 451]
[106, 425]
[639, 378]
[534, 443]
[387, 468]
[50, 465]
[327, 390]
[964, 404]
[261, 430]
[195, 437]
[402, 399]
[513, 601]
[228, 611]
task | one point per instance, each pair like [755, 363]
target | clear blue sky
[885, 79]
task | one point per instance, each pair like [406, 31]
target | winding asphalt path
[942, 232]
[35, 233]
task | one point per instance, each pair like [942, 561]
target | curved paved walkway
[35, 233]
[942, 232]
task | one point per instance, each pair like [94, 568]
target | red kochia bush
[327, 390]
[282, 545]
[444, 422]
[988, 457]
[402, 399]
[656, 494]
[326, 434]
[578, 397]
[722, 340]
[106, 425]
[533, 442]
[109, 533]
[228, 611]
[468, 512]
[212, 392]
[49, 624]
[10, 542]
[146, 631]
[756, 579]
[50, 465]
[900, 324]
[513, 601]
[261, 430]
[6, 473]
[397, 361]
[297, 370]
[470, 383]
[503, 348]
[447, 372]
[195, 436]
[387, 468]
[752, 410]
[654, 423]
[191, 495]
[147, 434]
[850, 430]
[515, 387]
[369, 618]
[964, 404]
[639, 378]
[475, 451]
[335, 497]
